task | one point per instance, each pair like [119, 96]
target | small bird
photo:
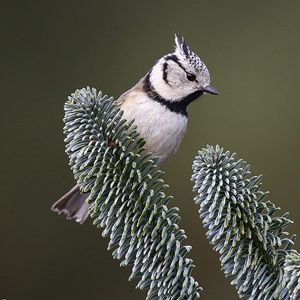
[158, 103]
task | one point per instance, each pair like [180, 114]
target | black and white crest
[184, 52]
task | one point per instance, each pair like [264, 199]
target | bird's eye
[190, 77]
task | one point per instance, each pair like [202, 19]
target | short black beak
[210, 90]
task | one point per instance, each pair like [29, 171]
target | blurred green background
[51, 48]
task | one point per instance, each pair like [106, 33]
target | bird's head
[181, 75]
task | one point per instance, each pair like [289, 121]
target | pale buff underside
[162, 129]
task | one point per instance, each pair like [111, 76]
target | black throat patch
[179, 106]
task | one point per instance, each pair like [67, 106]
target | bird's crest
[185, 53]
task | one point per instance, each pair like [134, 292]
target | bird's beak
[210, 90]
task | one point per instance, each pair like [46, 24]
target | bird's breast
[162, 129]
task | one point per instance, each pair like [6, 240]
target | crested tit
[158, 103]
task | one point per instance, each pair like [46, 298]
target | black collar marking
[179, 107]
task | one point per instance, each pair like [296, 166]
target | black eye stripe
[174, 58]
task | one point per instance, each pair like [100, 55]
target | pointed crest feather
[181, 46]
[187, 54]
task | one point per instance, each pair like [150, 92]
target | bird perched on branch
[158, 103]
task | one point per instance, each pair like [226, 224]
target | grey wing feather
[124, 96]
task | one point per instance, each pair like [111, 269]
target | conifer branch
[126, 196]
[292, 274]
[242, 226]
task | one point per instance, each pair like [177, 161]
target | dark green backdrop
[50, 48]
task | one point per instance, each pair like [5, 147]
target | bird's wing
[137, 88]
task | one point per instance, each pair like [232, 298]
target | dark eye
[190, 77]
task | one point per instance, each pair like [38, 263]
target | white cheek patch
[176, 87]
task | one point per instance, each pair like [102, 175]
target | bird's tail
[73, 205]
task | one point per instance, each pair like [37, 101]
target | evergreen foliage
[292, 274]
[126, 196]
[125, 189]
[242, 226]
